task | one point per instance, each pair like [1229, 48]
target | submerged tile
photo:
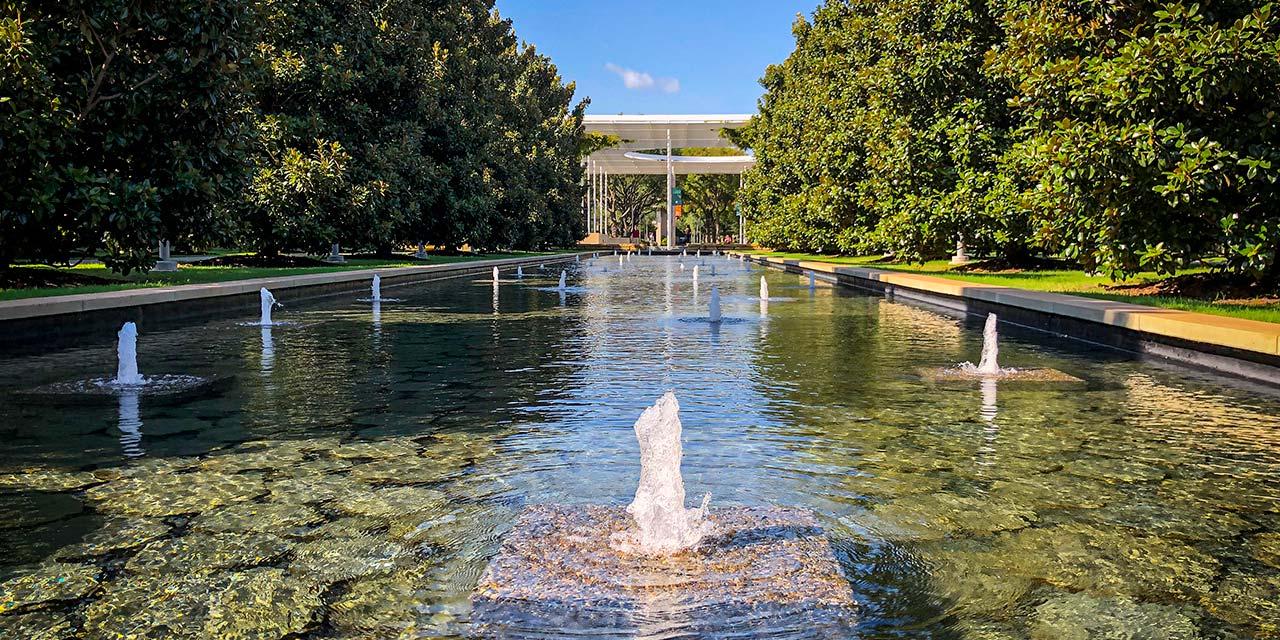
[48, 582]
[262, 604]
[207, 553]
[1080, 616]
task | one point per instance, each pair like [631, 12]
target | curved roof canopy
[647, 133]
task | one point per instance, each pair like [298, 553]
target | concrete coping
[77, 303]
[1202, 328]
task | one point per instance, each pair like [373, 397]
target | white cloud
[642, 81]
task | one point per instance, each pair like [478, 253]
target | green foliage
[1149, 130]
[635, 203]
[1129, 135]
[442, 129]
[881, 132]
[710, 200]
[282, 124]
[710, 206]
[117, 124]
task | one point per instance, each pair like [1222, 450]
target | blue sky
[661, 56]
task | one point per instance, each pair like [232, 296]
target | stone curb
[29, 308]
[1213, 334]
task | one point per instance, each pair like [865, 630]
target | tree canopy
[282, 125]
[1126, 135]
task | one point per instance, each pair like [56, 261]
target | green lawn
[1058, 281]
[192, 274]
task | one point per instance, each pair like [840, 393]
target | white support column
[742, 225]
[671, 211]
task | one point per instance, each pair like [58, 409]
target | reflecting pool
[353, 471]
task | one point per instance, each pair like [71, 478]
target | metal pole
[671, 211]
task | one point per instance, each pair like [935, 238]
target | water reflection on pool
[358, 468]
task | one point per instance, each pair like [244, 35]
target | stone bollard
[165, 264]
[334, 256]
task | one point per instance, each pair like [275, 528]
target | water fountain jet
[127, 379]
[127, 357]
[375, 292]
[566, 570]
[266, 302]
[764, 289]
[663, 524]
[713, 306]
[988, 365]
[989, 368]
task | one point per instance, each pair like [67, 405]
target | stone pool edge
[77, 313]
[1245, 348]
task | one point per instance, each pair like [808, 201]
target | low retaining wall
[54, 319]
[1246, 348]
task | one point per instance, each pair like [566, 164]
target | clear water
[357, 472]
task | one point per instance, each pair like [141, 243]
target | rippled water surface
[350, 475]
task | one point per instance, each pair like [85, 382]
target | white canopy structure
[647, 142]
[649, 133]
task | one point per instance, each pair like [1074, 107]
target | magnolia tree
[282, 126]
[121, 123]
[1124, 135]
